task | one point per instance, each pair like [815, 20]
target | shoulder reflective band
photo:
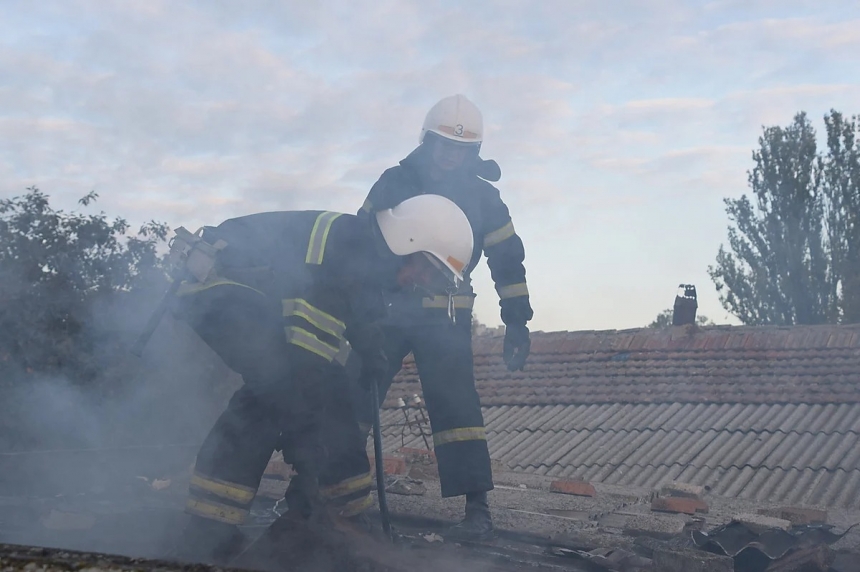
[499, 235]
[367, 206]
[216, 511]
[461, 302]
[461, 434]
[304, 339]
[303, 309]
[319, 236]
[347, 486]
[188, 288]
[230, 491]
[513, 290]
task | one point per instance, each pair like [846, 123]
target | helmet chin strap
[452, 289]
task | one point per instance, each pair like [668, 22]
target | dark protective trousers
[289, 395]
[443, 356]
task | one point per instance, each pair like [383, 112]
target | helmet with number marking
[455, 118]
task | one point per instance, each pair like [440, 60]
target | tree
[664, 320]
[54, 267]
[778, 269]
[841, 185]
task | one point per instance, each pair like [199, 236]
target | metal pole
[380, 468]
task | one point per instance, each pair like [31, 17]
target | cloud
[599, 113]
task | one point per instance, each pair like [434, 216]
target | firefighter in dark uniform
[282, 298]
[437, 329]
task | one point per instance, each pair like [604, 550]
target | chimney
[685, 306]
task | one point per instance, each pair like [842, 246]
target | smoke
[86, 461]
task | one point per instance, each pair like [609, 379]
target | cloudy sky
[619, 126]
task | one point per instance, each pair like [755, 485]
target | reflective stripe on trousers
[350, 496]
[346, 487]
[219, 500]
[355, 507]
[460, 434]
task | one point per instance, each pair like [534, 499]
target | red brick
[578, 488]
[422, 455]
[797, 516]
[679, 489]
[390, 465]
[679, 505]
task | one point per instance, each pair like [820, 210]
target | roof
[762, 413]
[686, 364]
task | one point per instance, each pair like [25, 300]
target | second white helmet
[455, 118]
[431, 224]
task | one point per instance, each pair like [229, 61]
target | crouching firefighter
[282, 297]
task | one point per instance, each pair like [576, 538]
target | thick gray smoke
[103, 465]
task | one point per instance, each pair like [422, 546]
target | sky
[619, 126]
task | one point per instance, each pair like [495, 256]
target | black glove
[516, 311]
[517, 347]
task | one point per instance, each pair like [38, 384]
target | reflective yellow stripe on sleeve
[304, 339]
[230, 491]
[303, 309]
[188, 288]
[343, 353]
[367, 206]
[461, 302]
[512, 290]
[460, 434]
[499, 235]
[347, 486]
[216, 511]
[319, 236]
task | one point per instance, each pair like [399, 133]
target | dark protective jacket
[324, 269]
[491, 222]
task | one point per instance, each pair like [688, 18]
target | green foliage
[54, 268]
[793, 250]
[840, 171]
[664, 320]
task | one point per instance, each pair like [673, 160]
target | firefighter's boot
[478, 524]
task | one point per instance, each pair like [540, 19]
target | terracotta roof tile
[722, 364]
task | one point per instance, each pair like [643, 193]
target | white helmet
[455, 118]
[430, 224]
